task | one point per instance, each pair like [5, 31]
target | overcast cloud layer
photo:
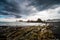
[30, 9]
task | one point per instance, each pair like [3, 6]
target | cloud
[46, 14]
[44, 4]
[9, 7]
[16, 8]
[32, 8]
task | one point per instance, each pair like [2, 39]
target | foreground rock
[27, 33]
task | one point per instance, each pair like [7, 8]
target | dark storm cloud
[44, 4]
[15, 7]
[9, 6]
[12, 6]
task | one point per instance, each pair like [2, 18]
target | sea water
[20, 24]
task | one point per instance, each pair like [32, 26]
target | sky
[12, 10]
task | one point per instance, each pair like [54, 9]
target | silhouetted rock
[39, 20]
